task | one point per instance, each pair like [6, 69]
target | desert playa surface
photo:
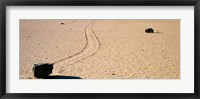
[101, 49]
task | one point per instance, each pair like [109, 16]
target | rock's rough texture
[42, 70]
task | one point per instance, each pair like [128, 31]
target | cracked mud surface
[102, 49]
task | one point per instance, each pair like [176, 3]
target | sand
[102, 49]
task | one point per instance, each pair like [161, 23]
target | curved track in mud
[91, 47]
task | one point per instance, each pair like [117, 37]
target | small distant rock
[42, 70]
[62, 23]
[142, 49]
[149, 30]
[113, 74]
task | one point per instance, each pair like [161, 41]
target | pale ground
[102, 49]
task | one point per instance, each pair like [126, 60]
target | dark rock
[42, 70]
[149, 30]
[62, 23]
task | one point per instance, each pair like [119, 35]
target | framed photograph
[142, 49]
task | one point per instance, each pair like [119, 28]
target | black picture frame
[4, 3]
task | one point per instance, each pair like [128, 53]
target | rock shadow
[61, 77]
